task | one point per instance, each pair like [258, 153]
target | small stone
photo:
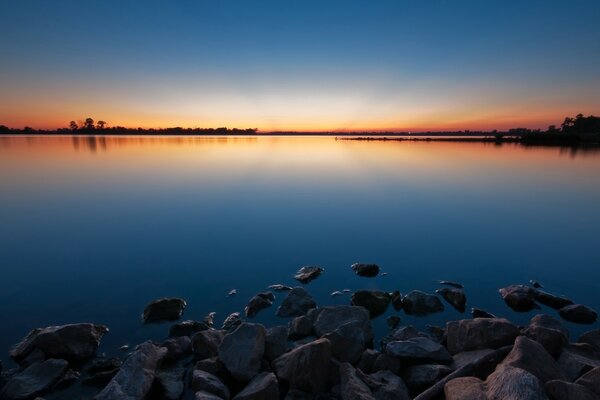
[550, 300]
[365, 270]
[165, 309]
[257, 303]
[280, 288]
[187, 328]
[232, 292]
[396, 298]
[453, 284]
[308, 273]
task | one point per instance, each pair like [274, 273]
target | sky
[299, 65]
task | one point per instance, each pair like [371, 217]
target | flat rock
[205, 344]
[206, 382]
[419, 349]
[134, 379]
[479, 333]
[531, 356]
[376, 302]
[351, 386]
[263, 386]
[551, 300]
[258, 303]
[578, 313]
[297, 302]
[561, 390]
[73, 342]
[366, 270]
[591, 380]
[187, 328]
[479, 313]
[455, 297]
[510, 383]
[549, 332]
[306, 367]
[276, 342]
[421, 303]
[165, 309]
[34, 380]
[242, 350]
[308, 273]
[465, 388]
[519, 297]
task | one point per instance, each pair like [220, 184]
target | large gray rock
[297, 302]
[136, 376]
[549, 332]
[386, 362]
[263, 386]
[421, 303]
[257, 303]
[561, 390]
[575, 360]
[206, 382]
[578, 313]
[34, 380]
[465, 388]
[519, 297]
[242, 350]
[306, 367]
[73, 342]
[205, 344]
[276, 342]
[455, 297]
[308, 273]
[420, 377]
[165, 309]
[531, 356]
[351, 386]
[509, 383]
[375, 301]
[419, 349]
[591, 380]
[479, 333]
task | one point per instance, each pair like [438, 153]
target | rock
[348, 341]
[177, 348]
[352, 387]
[591, 380]
[592, 338]
[574, 362]
[263, 386]
[209, 319]
[242, 350]
[104, 364]
[437, 333]
[479, 333]
[479, 313]
[257, 303]
[393, 321]
[366, 270]
[214, 366]
[306, 367]
[468, 357]
[68, 379]
[134, 379]
[300, 327]
[232, 321]
[385, 362]
[402, 333]
[307, 274]
[202, 395]
[74, 342]
[297, 302]
[187, 328]
[207, 382]
[518, 297]
[172, 382]
[420, 377]
[453, 284]
[367, 359]
[280, 288]
[232, 292]
[396, 298]
[550, 300]
[560, 390]
[465, 388]
[511, 383]
[549, 332]
[276, 342]
[532, 357]
[455, 297]
[376, 302]
[419, 349]
[336, 293]
[578, 313]
[385, 385]
[205, 344]
[165, 309]
[535, 284]
[420, 303]
[100, 379]
[34, 380]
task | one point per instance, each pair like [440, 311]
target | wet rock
[208, 383]
[575, 361]
[352, 387]
[209, 319]
[455, 297]
[300, 327]
[386, 385]
[514, 384]
[376, 302]
[386, 362]
[550, 300]
[68, 379]
[276, 342]
[591, 380]
[34, 380]
[532, 357]
[396, 298]
[479, 313]
[437, 333]
[348, 341]
[393, 321]
[519, 297]
[232, 321]
[205, 344]
[297, 302]
[336, 293]
[419, 349]
[365, 270]
[306, 367]
[165, 309]
[420, 303]
[465, 388]
[74, 342]
[592, 338]
[453, 284]
[187, 328]
[560, 390]
[134, 379]
[367, 359]
[263, 386]
[479, 333]
[308, 273]
[172, 382]
[328, 319]
[242, 350]
[535, 284]
[578, 313]
[279, 287]
[420, 377]
[177, 348]
[549, 332]
[257, 303]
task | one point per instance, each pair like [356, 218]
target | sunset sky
[299, 65]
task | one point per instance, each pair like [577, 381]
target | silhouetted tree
[73, 125]
[100, 124]
[89, 123]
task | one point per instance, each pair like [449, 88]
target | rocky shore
[323, 352]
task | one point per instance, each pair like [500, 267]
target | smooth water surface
[91, 229]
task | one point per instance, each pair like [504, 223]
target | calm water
[91, 229]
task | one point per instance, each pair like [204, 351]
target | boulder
[297, 302]
[479, 333]
[206, 343]
[455, 297]
[386, 362]
[232, 321]
[348, 341]
[300, 327]
[465, 388]
[73, 342]
[263, 386]
[561, 390]
[519, 297]
[306, 367]
[276, 342]
[396, 298]
[592, 338]
[420, 377]
[402, 333]
[165, 309]
[257, 303]
[511, 383]
[328, 319]
[34, 380]
[134, 379]
[367, 359]
[308, 273]
[531, 356]
[578, 313]
[376, 302]
[468, 357]
[479, 313]
[177, 348]
[242, 350]
[101, 371]
[549, 332]
[187, 328]
[575, 361]
[172, 382]
[366, 270]
[421, 303]
[591, 380]
[206, 382]
[214, 366]
[386, 385]
[351, 386]
[418, 349]
[551, 300]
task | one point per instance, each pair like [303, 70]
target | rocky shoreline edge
[325, 352]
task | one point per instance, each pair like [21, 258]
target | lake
[93, 228]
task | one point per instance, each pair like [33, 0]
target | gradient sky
[299, 65]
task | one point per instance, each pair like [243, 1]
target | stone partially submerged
[421, 303]
[375, 301]
[308, 273]
[578, 313]
[297, 302]
[165, 309]
[34, 380]
[519, 297]
[479, 333]
[365, 270]
[258, 302]
[455, 297]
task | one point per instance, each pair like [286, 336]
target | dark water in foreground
[91, 229]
